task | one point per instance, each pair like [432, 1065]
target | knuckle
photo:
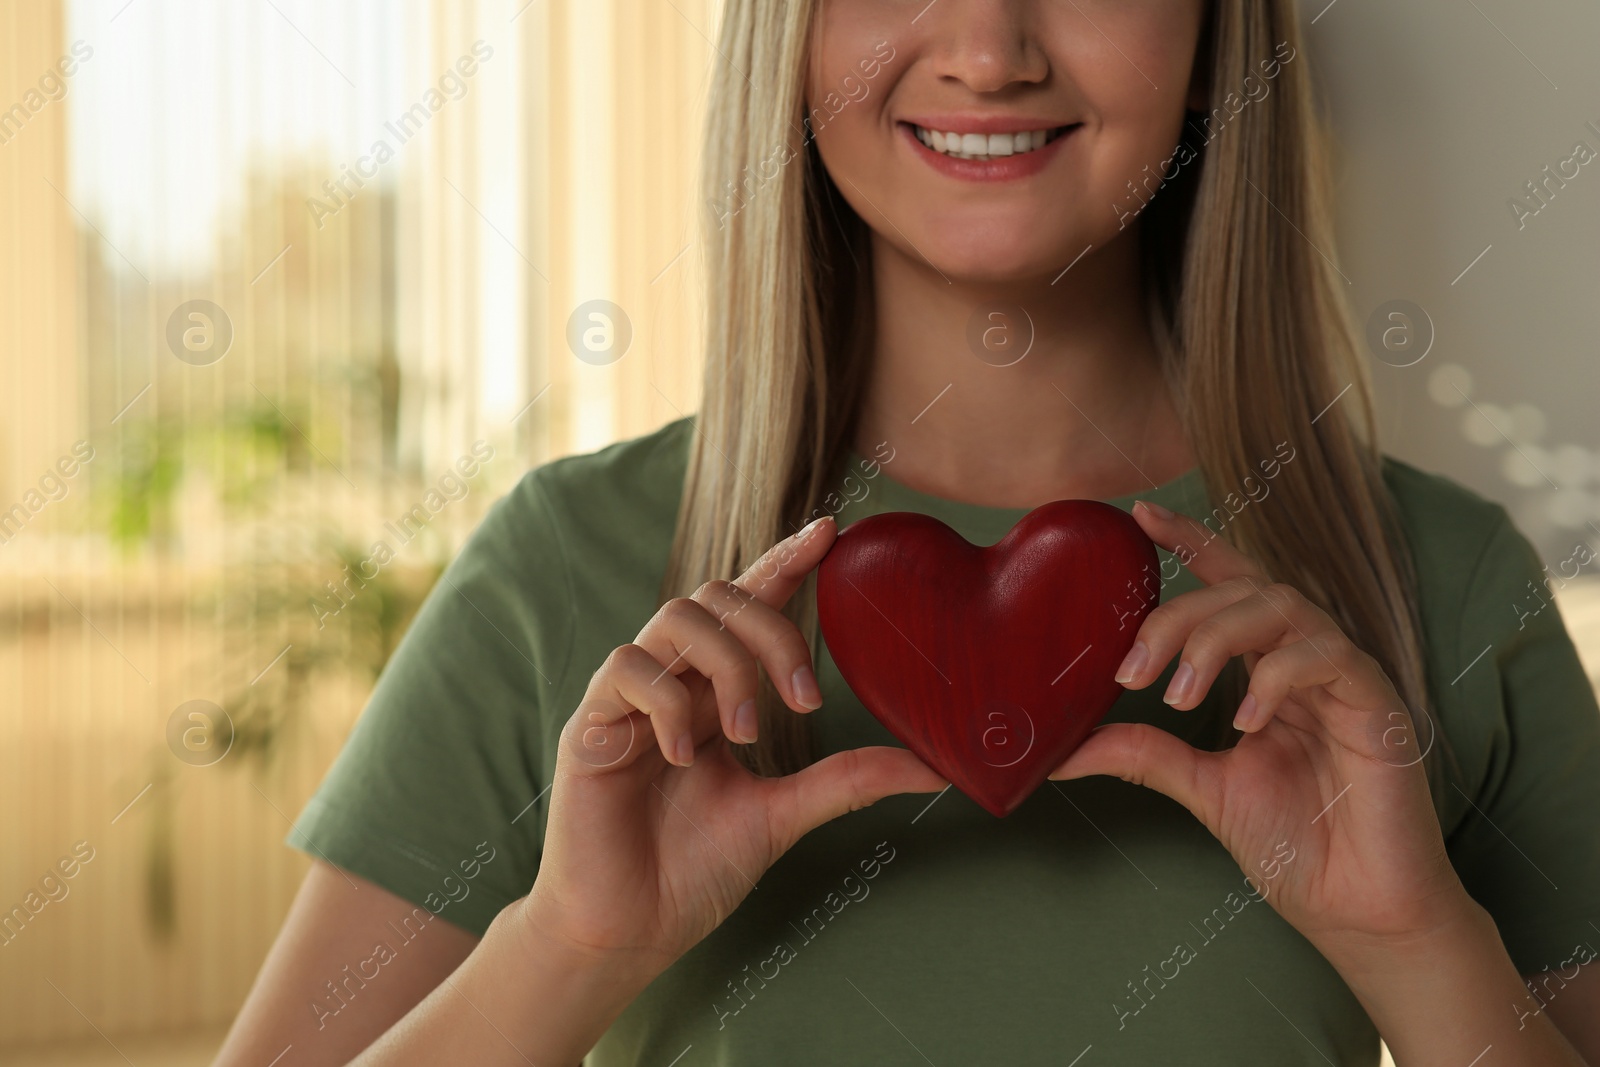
[631, 659]
[1281, 596]
[722, 598]
[1335, 645]
[1269, 672]
[679, 609]
[741, 670]
[1138, 762]
[786, 646]
[854, 776]
[1163, 615]
[619, 658]
[1206, 639]
[730, 661]
[713, 589]
[1240, 587]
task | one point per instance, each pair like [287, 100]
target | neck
[1084, 414]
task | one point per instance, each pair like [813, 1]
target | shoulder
[1472, 563]
[586, 538]
[579, 503]
[641, 475]
[1517, 711]
[1472, 568]
[459, 735]
[1448, 525]
[578, 541]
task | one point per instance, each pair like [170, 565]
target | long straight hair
[1247, 312]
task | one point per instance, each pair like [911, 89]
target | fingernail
[1155, 509]
[744, 721]
[1245, 717]
[805, 688]
[1178, 691]
[685, 750]
[1133, 663]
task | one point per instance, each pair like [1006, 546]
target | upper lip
[984, 123]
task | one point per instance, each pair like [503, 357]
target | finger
[1148, 755]
[599, 741]
[778, 572]
[632, 679]
[1268, 619]
[843, 782]
[682, 636]
[1207, 554]
[771, 637]
[1326, 660]
[1168, 625]
[624, 706]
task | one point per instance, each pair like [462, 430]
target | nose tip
[988, 51]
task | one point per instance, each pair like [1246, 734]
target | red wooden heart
[991, 664]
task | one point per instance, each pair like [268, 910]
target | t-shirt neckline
[1184, 493]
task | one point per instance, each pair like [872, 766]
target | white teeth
[984, 146]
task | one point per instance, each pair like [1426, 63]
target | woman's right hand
[656, 832]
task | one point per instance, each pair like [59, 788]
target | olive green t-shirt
[1099, 916]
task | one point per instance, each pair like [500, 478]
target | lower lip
[1003, 169]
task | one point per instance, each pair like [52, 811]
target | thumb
[843, 782]
[1147, 755]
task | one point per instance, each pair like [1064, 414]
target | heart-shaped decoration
[991, 664]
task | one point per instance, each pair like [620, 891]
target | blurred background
[283, 282]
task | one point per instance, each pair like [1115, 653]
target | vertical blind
[282, 282]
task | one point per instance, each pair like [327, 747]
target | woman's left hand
[1323, 802]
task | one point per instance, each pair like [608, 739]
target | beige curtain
[375, 339]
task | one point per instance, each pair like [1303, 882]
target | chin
[1001, 257]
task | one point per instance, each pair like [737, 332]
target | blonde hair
[1247, 313]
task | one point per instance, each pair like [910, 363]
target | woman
[957, 266]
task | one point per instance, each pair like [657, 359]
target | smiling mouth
[986, 146]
